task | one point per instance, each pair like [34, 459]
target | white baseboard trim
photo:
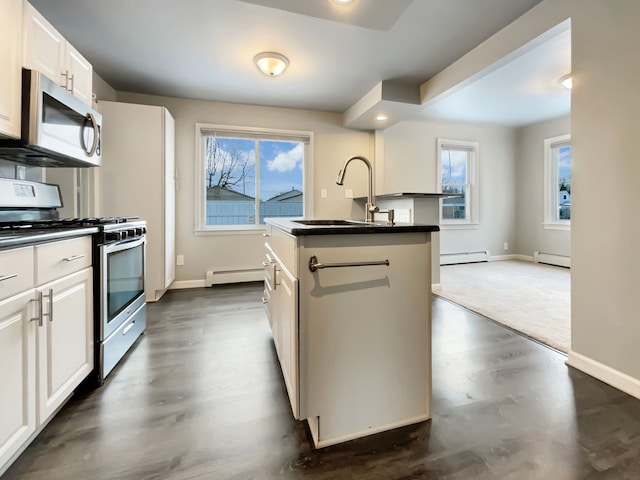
[552, 259]
[608, 375]
[464, 257]
[233, 276]
[514, 256]
[180, 284]
[436, 287]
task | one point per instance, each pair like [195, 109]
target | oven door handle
[124, 245]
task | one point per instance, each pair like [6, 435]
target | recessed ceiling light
[271, 63]
[566, 81]
[343, 2]
[381, 118]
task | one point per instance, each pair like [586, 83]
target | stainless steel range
[28, 214]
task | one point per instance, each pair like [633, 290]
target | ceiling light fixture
[271, 63]
[381, 118]
[566, 81]
[343, 2]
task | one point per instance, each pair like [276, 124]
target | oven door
[121, 283]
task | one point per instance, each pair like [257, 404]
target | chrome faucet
[371, 207]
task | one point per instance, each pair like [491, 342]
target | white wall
[531, 236]
[605, 277]
[410, 165]
[333, 144]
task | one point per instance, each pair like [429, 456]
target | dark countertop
[389, 196]
[290, 226]
[32, 237]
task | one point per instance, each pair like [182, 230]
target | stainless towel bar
[314, 265]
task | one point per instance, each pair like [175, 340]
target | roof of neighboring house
[292, 195]
[224, 193]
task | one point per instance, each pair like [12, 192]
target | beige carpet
[532, 298]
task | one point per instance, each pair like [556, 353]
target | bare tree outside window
[232, 169]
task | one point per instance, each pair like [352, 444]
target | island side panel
[365, 334]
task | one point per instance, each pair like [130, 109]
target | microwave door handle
[96, 135]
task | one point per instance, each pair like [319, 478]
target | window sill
[230, 230]
[557, 226]
[459, 226]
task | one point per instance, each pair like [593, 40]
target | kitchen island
[349, 305]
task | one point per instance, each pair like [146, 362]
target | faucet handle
[390, 216]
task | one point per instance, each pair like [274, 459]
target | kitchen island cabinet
[350, 312]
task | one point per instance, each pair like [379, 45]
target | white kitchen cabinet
[46, 335]
[11, 61]
[46, 50]
[281, 294]
[17, 351]
[65, 341]
[137, 178]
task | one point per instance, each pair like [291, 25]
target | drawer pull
[74, 257]
[128, 327]
[7, 277]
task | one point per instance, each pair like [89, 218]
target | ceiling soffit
[372, 14]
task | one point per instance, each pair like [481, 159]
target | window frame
[200, 226]
[551, 191]
[471, 196]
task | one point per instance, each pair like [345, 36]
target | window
[557, 186]
[245, 175]
[457, 175]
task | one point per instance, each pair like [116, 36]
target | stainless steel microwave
[57, 129]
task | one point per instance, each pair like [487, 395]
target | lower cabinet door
[18, 373]
[65, 341]
[288, 336]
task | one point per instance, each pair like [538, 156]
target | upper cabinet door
[80, 75]
[44, 47]
[46, 50]
[11, 61]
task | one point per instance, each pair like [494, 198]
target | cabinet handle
[65, 77]
[265, 234]
[71, 82]
[7, 277]
[264, 300]
[275, 277]
[50, 297]
[264, 264]
[38, 317]
[72, 258]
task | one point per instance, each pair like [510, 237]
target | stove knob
[139, 232]
[131, 233]
[110, 236]
[144, 229]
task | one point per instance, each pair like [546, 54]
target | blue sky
[564, 163]
[280, 165]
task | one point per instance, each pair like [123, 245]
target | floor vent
[466, 257]
[233, 276]
[551, 259]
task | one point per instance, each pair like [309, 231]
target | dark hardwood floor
[201, 397]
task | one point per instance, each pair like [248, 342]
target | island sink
[330, 222]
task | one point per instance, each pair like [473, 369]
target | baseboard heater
[465, 257]
[551, 259]
[217, 277]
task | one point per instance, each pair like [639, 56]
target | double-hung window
[457, 166]
[244, 175]
[557, 185]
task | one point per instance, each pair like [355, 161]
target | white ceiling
[203, 49]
